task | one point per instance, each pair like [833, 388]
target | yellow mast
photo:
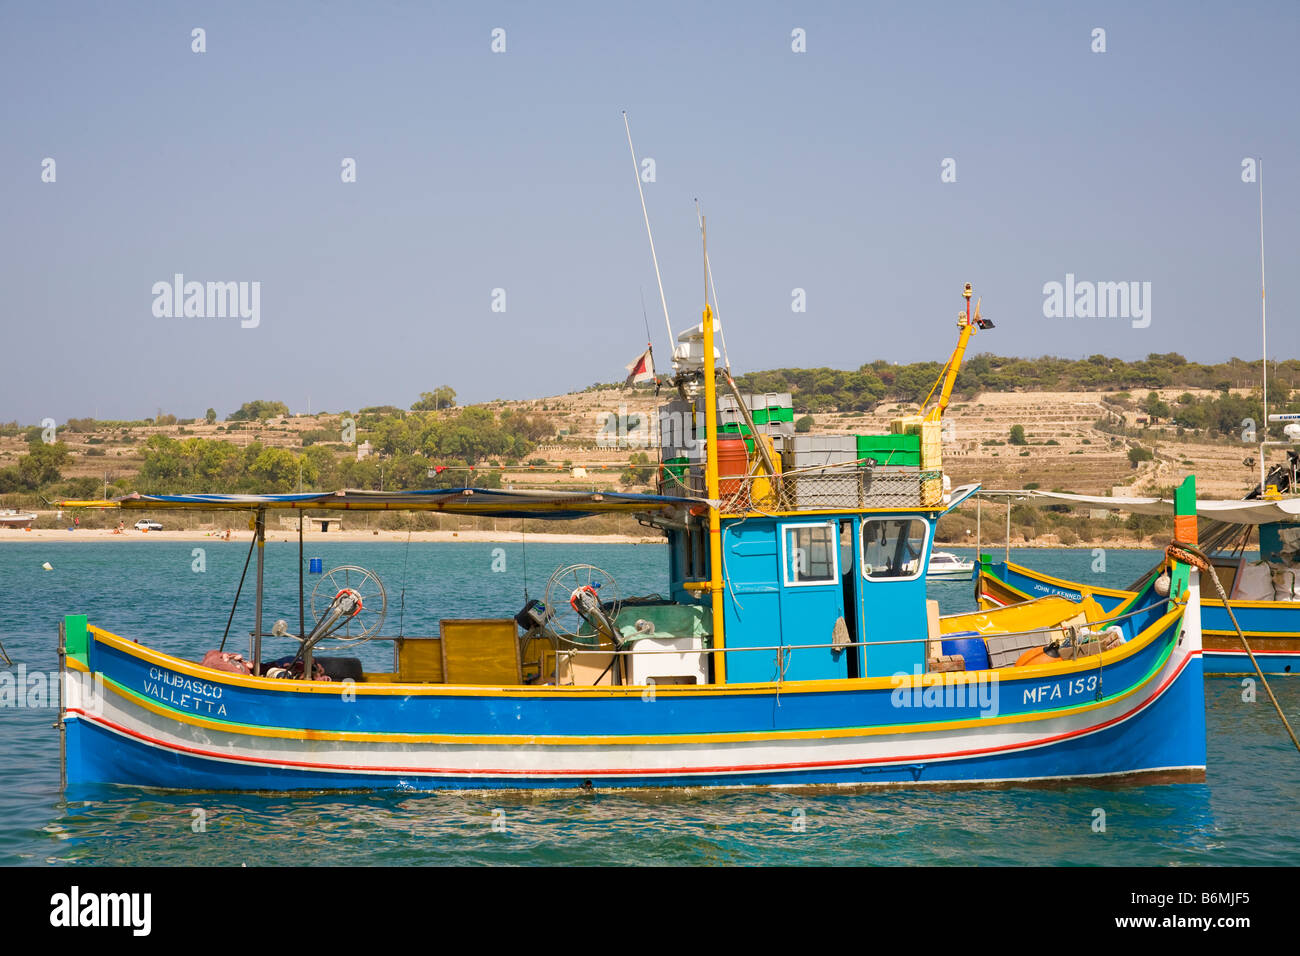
[711, 475]
[948, 378]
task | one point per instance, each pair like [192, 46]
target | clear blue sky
[477, 171]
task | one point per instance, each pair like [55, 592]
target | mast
[636, 171]
[1263, 318]
[259, 534]
[711, 476]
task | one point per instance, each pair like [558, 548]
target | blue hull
[1042, 724]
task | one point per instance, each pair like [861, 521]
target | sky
[493, 238]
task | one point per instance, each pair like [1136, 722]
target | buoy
[47, 566]
[1037, 655]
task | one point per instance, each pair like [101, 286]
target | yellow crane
[969, 325]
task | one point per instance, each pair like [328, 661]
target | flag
[642, 369]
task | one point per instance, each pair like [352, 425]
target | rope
[1191, 555]
[406, 560]
[237, 590]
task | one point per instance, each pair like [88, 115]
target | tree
[1155, 407]
[211, 415]
[804, 424]
[276, 470]
[444, 396]
[639, 470]
[1018, 435]
[258, 410]
[1138, 454]
[41, 466]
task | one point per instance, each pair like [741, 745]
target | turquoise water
[1244, 814]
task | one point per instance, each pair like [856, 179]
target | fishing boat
[944, 566]
[794, 646]
[1263, 589]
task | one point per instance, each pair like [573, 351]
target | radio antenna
[636, 171]
[717, 313]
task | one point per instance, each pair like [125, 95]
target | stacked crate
[827, 475]
[681, 449]
[929, 457]
[772, 412]
[891, 451]
[931, 464]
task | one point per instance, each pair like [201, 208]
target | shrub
[1138, 454]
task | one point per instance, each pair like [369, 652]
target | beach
[318, 537]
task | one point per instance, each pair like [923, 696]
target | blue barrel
[970, 646]
[315, 565]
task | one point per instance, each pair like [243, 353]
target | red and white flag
[642, 369]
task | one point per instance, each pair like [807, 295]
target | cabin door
[894, 554]
[812, 599]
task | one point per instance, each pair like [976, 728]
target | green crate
[780, 415]
[875, 445]
[735, 428]
[909, 459]
[677, 467]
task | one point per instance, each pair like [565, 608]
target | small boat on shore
[21, 520]
[948, 567]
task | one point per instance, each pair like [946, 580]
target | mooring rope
[1191, 555]
[238, 590]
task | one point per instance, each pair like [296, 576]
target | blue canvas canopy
[488, 502]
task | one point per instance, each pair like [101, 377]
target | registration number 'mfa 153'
[1045, 693]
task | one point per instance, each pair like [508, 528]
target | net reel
[348, 603]
[583, 595]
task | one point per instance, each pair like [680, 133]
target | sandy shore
[468, 536]
[317, 537]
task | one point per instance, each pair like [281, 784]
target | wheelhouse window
[893, 548]
[809, 553]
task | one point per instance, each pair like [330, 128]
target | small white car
[147, 524]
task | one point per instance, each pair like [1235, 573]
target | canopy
[1254, 511]
[960, 494]
[488, 502]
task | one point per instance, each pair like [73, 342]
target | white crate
[688, 663]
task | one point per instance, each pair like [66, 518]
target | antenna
[708, 268]
[704, 246]
[644, 317]
[636, 171]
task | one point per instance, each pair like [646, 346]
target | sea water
[169, 596]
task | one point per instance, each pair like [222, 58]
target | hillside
[1069, 445]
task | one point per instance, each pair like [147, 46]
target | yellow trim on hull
[551, 740]
[1035, 672]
